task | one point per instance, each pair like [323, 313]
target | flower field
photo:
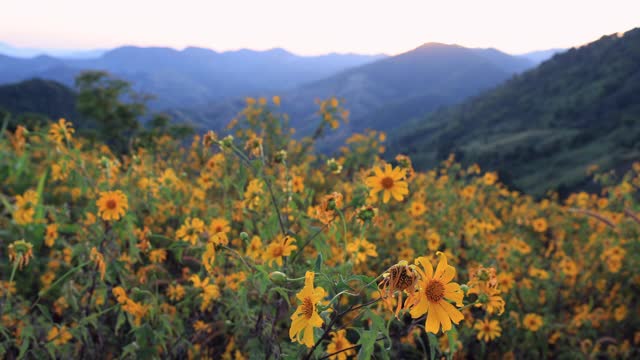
[254, 245]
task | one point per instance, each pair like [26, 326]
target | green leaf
[122, 318]
[367, 342]
[318, 265]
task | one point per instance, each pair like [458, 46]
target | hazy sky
[314, 27]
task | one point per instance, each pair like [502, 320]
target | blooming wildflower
[282, 246]
[390, 182]
[112, 205]
[61, 131]
[208, 257]
[98, 259]
[190, 230]
[434, 289]
[339, 342]
[540, 225]
[175, 292]
[487, 329]
[158, 256]
[219, 225]
[306, 317]
[51, 234]
[59, 336]
[361, 248]
[25, 207]
[532, 322]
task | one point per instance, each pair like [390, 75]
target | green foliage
[34, 101]
[113, 105]
[543, 128]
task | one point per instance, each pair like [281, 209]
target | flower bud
[278, 277]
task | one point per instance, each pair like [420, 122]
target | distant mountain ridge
[541, 129]
[191, 76]
[389, 92]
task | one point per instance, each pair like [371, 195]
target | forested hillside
[543, 128]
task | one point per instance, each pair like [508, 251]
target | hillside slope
[543, 128]
[35, 99]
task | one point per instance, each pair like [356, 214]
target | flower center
[434, 291]
[307, 307]
[111, 204]
[278, 251]
[387, 183]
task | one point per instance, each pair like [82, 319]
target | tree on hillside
[113, 105]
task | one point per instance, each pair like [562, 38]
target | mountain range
[386, 93]
[543, 128]
[191, 76]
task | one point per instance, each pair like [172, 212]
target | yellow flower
[490, 178]
[417, 208]
[175, 292]
[120, 294]
[254, 250]
[361, 248]
[25, 207]
[190, 230]
[540, 225]
[98, 259]
[532, 322]
[339, 342]
[488, 329]
[219, 225]
[112, 205]
[208, 257]
[59, 336]
[282, 246]
[51, 234]
[276, 100]
[158, 256]
[390, 182]
[306, 317]
[61, 131]
[434, 289]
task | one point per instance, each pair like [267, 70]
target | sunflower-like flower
[25, 207]
[434, 289]
[339, 343]
[532, 322]
[51, 234]
[282, 246]
[112, 205]
[61, 131]
[487, 329]
[306, 317]
[190, 230]
[360, 249]
[59, 336]
[390, 181]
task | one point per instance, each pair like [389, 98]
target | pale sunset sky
[314, 27]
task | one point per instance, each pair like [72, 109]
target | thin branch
[633, 216]
[594, 215]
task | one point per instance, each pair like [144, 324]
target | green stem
[13, 273]
[63, 277]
